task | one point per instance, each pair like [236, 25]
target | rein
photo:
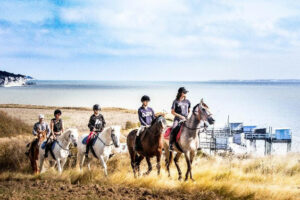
[197, 128]
[104, 142]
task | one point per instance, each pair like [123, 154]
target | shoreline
[33, 106]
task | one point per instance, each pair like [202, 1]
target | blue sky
[151, 40]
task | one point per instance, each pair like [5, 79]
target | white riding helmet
[41, 116]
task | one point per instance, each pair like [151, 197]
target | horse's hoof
[179, 178]
[192, 179]
[146, 173]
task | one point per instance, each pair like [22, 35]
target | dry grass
[10, 126]
[274, 177]
[228, 177]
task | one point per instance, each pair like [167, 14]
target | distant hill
[8, 79]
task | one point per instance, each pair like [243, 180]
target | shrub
[10, 126]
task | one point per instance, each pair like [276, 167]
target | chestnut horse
[34, 151]
[152, 145]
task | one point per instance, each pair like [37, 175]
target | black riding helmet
[96, 107]
[145, 98]
[182, 90]
[57, 112]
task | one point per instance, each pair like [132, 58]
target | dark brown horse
[34, 151]
[152, 145]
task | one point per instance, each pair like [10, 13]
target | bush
[131, 125]
[10, 126]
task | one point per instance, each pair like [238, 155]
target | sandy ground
[73, 117]
[16, 190]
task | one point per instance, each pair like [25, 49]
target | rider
[57, 128]
[39, 127]
[146, 116]
[96, 125]
[180, 109]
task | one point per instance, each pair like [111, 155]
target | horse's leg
[63, 162]
[80, 159]
[36, 157]
[138, 162]
[176, 159]
[41, 163]
[132, 158]
[58, 165]
[103, 164]
[188, 162]
[192, 154]
[169, 161]
[158, 163]
[149, 166]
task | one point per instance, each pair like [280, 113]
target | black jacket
[97, 122]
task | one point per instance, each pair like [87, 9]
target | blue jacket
[146, 115]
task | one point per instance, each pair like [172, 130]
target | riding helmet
[182, 90]
[145, 98]
[96, 107]
[57, 112]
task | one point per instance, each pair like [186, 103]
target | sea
[271, 103]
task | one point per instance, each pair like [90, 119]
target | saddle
[92, 141]
[51, 146]
[177, 131]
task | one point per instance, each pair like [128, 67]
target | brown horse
[152, 145]
[34, 151]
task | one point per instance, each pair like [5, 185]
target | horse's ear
[201, 101]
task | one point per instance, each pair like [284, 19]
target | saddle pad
[85, 140]
[168, 132]
[44, 145]
[179, 134]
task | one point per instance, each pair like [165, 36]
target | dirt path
[15, 190]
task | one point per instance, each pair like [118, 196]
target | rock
[9, 79]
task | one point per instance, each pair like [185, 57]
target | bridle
[198, 117]
[112, 138]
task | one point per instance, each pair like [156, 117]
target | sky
[155, 40]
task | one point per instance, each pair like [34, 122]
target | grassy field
[230, 177]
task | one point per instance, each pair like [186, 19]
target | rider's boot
[137, 146]
[46, 151]
[172, 140]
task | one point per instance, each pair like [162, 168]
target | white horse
[103, 146]
[61, 149]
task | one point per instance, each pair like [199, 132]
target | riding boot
[138, 143]
[172, 140]
[46, 151]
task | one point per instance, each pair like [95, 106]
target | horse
[102, 146]
[60, 149]
[189, 140]
[34, 151]
[152, 145]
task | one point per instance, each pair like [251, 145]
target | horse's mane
[195, 107]
[155, 120]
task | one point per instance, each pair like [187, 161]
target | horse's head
[73, 136]
[115, 135]
[202, 112]
[160, 122]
